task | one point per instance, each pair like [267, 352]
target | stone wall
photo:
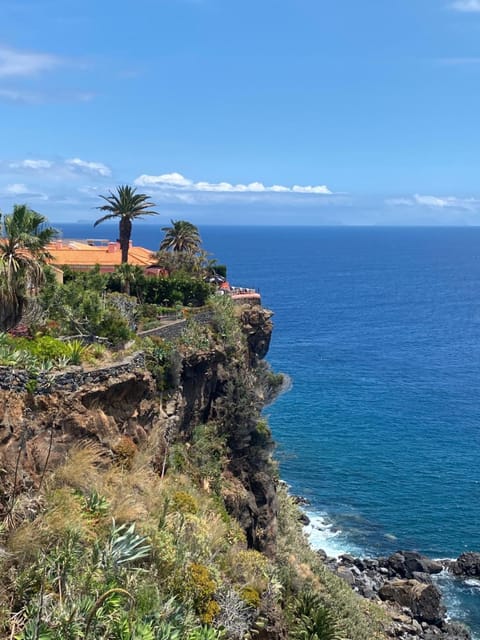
[174, 329]
[71, 380]
[168, 331]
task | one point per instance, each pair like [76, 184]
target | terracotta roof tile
[80, 254]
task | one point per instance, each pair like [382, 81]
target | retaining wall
[19, 380]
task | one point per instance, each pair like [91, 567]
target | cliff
[120, 406]
[140, 500]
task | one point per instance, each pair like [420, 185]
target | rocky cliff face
[124, 410]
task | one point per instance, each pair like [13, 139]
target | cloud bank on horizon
[435, 202]
[68, 189]
[174, 181]
[343, 129]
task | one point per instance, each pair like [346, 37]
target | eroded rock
[423, 600]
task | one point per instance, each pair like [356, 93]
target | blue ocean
[379, 332]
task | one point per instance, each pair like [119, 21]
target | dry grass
[82, 469]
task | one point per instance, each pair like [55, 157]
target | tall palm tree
[25, 236]
[127, 205]
[181, 236]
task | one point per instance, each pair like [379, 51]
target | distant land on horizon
[155, 222]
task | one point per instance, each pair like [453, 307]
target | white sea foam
[473, 582]
[324, 535]
[452, 594]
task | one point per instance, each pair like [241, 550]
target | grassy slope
[110, 550]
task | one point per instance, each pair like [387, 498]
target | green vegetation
[182, 236]
[43, 353]
[119, 553]
[138, 538]
[25, 235]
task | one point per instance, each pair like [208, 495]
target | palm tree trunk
[125, 228]
[11, 310]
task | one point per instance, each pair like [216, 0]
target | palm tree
[127, 205]
[129, 275]
[25, 236]
[181, 236]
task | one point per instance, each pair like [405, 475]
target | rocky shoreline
[404, 583]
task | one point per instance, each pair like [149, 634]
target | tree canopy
[23, 251]
[127, 205]
[181, 236]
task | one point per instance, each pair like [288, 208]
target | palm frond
[109, 216]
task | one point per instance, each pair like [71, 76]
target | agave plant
[62, 362]
[312, 621]
[17, 358]
[206, 633]
[124, 546]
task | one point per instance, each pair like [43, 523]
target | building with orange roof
[83, 255]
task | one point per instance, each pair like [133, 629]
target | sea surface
[379, 331]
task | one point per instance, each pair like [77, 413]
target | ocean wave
[323, 534]
[473, 582]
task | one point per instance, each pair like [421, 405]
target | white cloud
[35, 165]
[24, 63]
[436, 202]
[323, 190]
[175, 181]
[171, 179]
[97, 168]
[17, 189]
[467, 6]
[20, 189]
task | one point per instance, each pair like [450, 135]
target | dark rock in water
[304, 519]
[415, 602]
[422, 577]
[347, 559]
[404, 564]
[454, 631]
[347, 575]
[322, 554]
[423, 600]
[468, 564]
[301, 500]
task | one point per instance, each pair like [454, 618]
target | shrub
[251, 596]
[43, 348]
[114, 327]
[127, 307]
[236, 617]
[201, 587]
[250, 568]
[184, 502]
[162, 361]
[125, 448]
[179, 288]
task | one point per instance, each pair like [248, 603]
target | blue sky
[265, 111]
